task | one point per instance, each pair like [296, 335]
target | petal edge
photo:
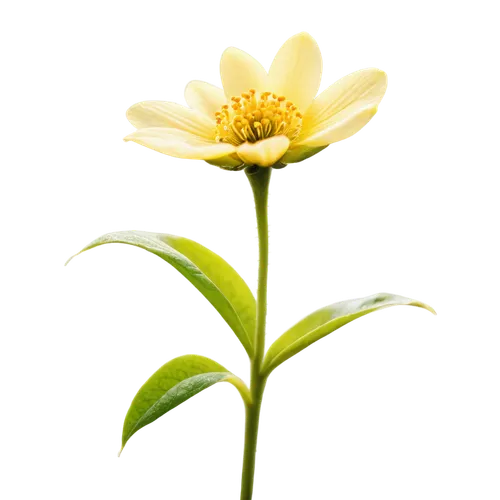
[296, 70]
[204, 97]
[179, 144]
[147, 114]
[240, 72]
[264, 153]
[353, 93]
[344, 126]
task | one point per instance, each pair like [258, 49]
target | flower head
[261, 118]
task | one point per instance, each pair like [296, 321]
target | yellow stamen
[255, 116]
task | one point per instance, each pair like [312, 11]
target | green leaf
[210, 274]
[326, 320]
[175, 382]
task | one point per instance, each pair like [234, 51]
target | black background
[366, 217]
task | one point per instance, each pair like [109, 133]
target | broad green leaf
[326, 320]
[175, 382]
[209, 273]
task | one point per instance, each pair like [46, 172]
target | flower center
[254, 116]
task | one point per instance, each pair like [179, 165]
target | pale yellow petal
[228, 162]
[264, 153]
[354, 93]
[342, 126]
[170, 115]
[204, 97]
[179, 144]
[296, 70]
[240, 72]
[300, 153]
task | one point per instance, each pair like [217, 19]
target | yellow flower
[261, 118]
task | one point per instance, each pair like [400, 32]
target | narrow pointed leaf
[326, 320]
[175, 382]
[210, 274]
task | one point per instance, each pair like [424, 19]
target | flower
[261, 118]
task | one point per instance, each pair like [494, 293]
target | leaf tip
[71, 258]
[425, 306]
[122, 446]
[432, 310]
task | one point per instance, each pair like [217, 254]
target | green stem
[251, 432]
[259, 180]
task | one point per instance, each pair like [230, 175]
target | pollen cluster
[252, 117]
